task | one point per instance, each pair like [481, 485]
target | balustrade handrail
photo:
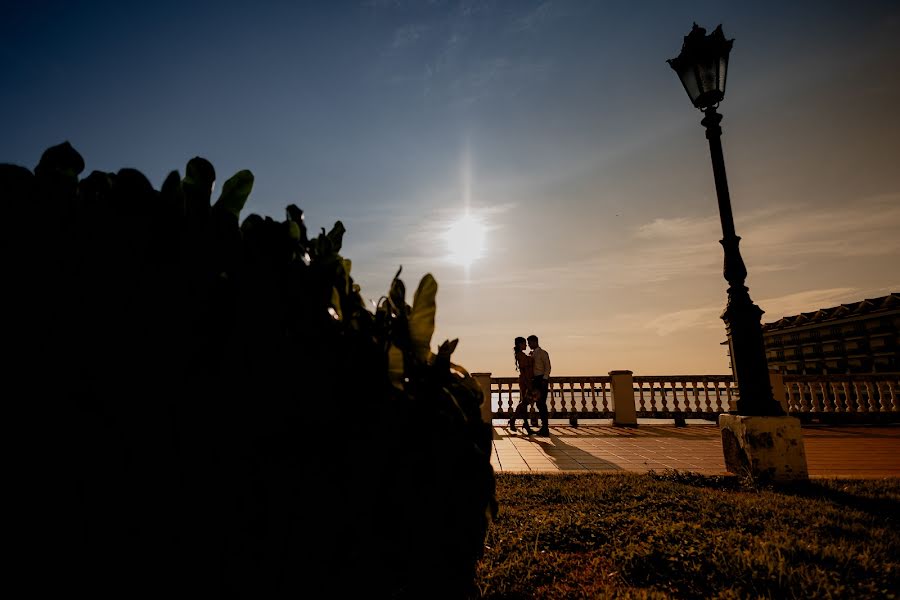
[842, 377]
[590, 396]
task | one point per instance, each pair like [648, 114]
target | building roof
[853, 309]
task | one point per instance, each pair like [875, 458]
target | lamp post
[702, 66]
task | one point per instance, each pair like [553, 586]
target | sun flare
[465, 240]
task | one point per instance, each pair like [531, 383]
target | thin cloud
[708, 317]
[535, 18]
[679, 228]
[808, 301]
[686, 249]
[408, 35]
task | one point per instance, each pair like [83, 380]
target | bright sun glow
[465, 240]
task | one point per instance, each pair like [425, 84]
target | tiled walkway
[848, 451]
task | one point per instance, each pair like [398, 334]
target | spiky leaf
[235, 192]
[421, 319]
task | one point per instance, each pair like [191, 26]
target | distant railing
[691, 396]
[580, 397]
[706, 396]
[867, 393]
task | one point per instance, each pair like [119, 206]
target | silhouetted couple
[534, 379]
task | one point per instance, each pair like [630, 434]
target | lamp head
[702, 66]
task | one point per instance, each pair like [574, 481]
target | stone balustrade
[700, 396]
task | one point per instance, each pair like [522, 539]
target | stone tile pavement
[831, 451]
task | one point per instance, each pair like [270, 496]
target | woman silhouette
[527, 393]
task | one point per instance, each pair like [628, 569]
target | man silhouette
[541, 382]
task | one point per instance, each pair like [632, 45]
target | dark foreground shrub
[208, 408]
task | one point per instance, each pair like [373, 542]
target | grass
[678, 535]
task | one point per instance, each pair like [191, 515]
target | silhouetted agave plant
[217, 412]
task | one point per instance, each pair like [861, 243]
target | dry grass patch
[689, 536]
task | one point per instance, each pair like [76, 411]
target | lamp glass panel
[723, 70]
[689, 81]
[707, 75]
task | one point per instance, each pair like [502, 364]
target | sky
[556, 126]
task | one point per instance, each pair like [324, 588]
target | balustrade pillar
[778, 391]
[622, 387]
[484, 381]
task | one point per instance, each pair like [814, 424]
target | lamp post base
[765, 448]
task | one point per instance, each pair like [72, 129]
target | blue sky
[557, 123]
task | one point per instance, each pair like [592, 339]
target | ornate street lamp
[702, 67]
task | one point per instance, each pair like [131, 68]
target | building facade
[860, 337]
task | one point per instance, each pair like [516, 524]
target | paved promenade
[831, 451]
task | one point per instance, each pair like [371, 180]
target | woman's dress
[526, 378]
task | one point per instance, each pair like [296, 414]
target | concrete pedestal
[622, 388]
[767, 448]
[487, 412]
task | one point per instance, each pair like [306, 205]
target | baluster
[696, 396]
[593, 385]
[560, 406]
[604, 401]
[709, 407]
[792, 400]
[827, 405]
[491, 393]
[675, 396]
[881, 387]
[565, 398]
[575, 396]
[893, 386]
[873, 406]
[857, 397]
[718, 397]
[816, 402]
[728, 398]
[642, 406]
[836, 395]
[804, 398]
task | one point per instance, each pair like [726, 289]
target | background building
[860, 337]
